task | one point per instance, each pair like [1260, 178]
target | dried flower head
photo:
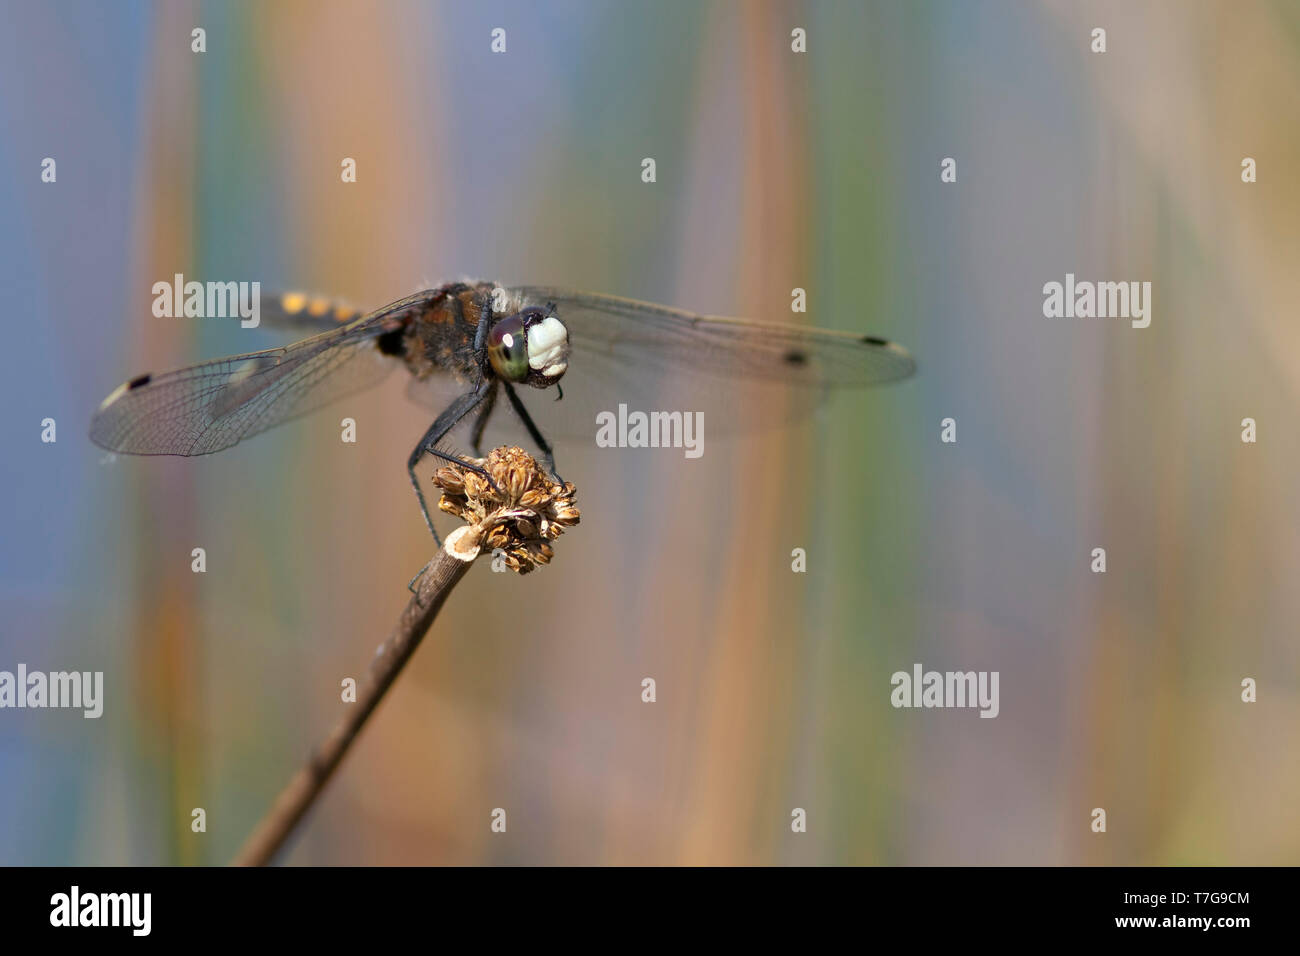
[520, 515]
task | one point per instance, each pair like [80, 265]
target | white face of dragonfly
[548, 347]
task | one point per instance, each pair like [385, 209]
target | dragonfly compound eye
[508, 349]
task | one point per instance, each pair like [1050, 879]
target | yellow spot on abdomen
[293, 302]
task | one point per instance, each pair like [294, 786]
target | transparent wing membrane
[642, 334]
[211, 406]
[742, 376]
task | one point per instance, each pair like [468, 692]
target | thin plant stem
[442, 574]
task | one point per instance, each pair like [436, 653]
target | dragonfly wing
[211, 406]
[743, 376]
[636, 332]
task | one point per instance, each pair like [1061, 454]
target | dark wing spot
[391, 343]
[872, 340]
[795, 357]
[139, 381]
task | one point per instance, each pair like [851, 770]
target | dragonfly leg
[536, 435]
[410, 585]
[480, 423]
[445, 422]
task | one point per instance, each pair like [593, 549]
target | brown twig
[519, 515]
[308, 782]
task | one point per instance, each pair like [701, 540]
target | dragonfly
[471, 348]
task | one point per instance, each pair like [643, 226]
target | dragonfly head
[530, 347]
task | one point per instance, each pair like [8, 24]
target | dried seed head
[524, 510]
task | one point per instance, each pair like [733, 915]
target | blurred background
[775, 170]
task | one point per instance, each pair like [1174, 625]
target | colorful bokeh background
[775, 170]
